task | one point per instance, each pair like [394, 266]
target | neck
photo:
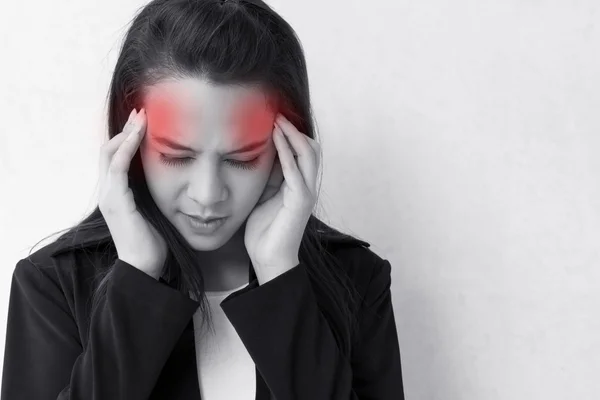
[227, 267]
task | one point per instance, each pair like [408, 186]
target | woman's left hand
[276, 225]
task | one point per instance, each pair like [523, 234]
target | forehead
[186, 110]
[190, 96]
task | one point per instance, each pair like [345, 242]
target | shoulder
[66, 274]
[369, 272]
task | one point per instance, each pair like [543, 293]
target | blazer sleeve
[294, 348]
[132, 334]
[376, 366]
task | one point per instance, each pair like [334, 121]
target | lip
[205, 219]
[198, 227]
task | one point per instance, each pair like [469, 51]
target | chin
[205, 242]
[205, 246]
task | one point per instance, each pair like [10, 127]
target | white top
[225, 369]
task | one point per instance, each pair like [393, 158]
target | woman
[209, 117]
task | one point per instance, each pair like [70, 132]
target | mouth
[205, 220]
[204, 226]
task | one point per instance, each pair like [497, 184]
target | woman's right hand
[136, 240]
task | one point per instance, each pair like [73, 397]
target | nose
[206, 187]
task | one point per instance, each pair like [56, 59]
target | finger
[120, 162]
[109, 149]
[115, 142]
[307, 159]
[291, 172]
[317, 149]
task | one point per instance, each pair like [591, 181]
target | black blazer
[142, 341]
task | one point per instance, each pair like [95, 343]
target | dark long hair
[235, 41]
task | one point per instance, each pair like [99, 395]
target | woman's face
[193, 155]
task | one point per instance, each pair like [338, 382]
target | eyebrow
[176, 146]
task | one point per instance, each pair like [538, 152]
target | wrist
[265, 273]
[146, 267]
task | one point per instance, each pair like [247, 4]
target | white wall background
[462, 139]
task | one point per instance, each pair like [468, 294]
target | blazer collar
[329, 238]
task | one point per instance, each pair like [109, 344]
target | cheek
[160, 181]
[153, 169]
[246, 185]
[162, 189]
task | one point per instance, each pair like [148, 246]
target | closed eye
[180, 161]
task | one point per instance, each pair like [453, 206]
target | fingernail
[131, 114]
